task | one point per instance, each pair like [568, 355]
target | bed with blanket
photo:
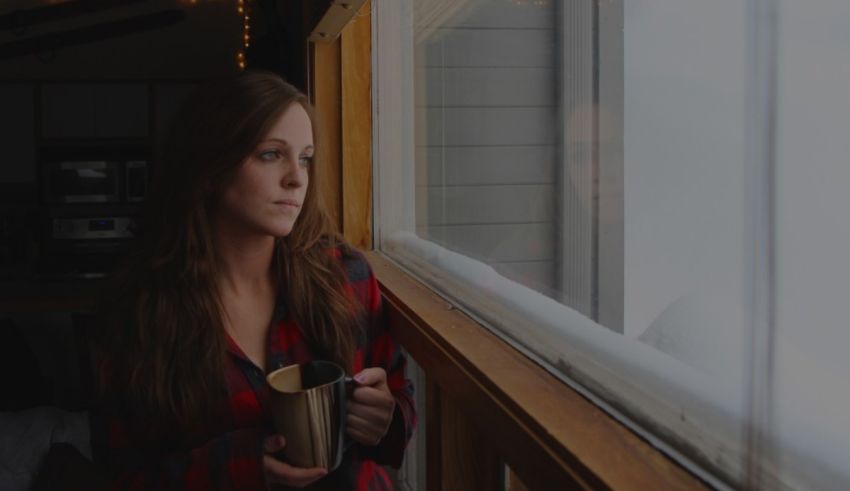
[46, 448]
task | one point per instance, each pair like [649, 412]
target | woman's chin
[282, 231]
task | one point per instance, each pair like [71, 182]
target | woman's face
[268, 189]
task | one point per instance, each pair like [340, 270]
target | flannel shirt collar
[274, 358]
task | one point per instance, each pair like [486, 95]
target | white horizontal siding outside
[463, 47]
[486, 135]
[471, 205]
[486, 165]
[487, 14]
[498, 242]
[482, 126]
[485, 86]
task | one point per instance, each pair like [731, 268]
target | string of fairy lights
[244, 9]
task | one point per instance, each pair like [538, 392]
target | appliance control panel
[93, 228]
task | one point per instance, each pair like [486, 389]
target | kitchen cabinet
[121, 110]
[88, 110]
[168, 99]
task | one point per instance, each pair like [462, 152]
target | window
[642, 196]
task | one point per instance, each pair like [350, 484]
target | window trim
[544, 430]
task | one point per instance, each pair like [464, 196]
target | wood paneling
[550, 435]
[326, 92]
[340, 83]
[467, 461]
[356, 62]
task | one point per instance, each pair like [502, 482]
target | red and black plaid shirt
[228, 454]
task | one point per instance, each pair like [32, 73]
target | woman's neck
[245, 264]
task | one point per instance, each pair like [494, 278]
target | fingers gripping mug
[309, 409]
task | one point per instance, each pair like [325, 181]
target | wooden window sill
[550, 435]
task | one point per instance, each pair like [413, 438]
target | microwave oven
[95, 181]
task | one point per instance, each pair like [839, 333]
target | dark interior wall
[40, 361]
[203, 44]
[296, 22]
[141, 77]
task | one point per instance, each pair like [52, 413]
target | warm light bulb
[242, 8]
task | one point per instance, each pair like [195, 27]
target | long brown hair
[162, 336]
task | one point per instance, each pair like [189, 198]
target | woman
[237, 272]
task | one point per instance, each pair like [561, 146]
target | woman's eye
[306, 160]
[270, 155]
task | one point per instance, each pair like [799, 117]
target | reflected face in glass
[268, 189]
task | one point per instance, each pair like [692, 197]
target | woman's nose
[294, 176]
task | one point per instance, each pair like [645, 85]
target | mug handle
[347, 442]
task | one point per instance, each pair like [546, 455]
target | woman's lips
[288, 202]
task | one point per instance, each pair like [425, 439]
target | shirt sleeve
[136, 455]
[383, 351]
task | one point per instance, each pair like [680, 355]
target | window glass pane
[812, 388]
[608, 186]
[589, 158]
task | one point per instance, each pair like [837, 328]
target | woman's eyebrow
[285, 143]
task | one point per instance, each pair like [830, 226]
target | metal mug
[308, 403]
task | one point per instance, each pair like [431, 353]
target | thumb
[274, 443]
[371, 376]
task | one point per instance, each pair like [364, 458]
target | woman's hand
[278, 472]
[370, 407]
